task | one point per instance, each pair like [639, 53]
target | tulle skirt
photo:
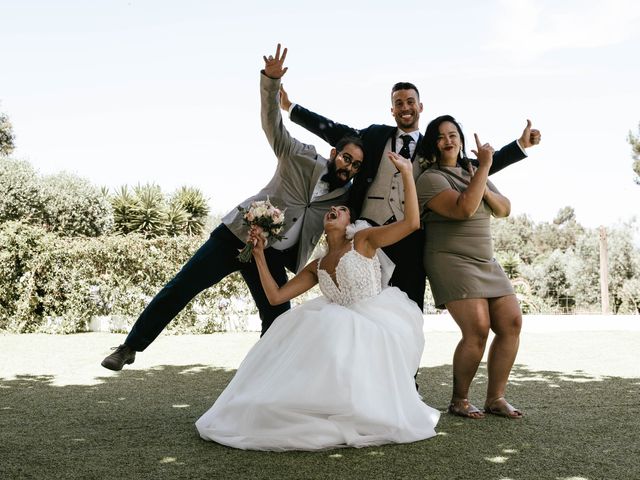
[327, 376]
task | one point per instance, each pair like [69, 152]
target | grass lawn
[139, 425]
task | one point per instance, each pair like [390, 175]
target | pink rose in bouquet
[267, 217]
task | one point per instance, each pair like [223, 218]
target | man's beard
[332, 178]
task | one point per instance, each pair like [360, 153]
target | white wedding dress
[333, 372]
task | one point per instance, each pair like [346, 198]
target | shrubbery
[62, 203]
[49, 283]
[71, 252]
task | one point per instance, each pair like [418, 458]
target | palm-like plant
[192, 201]
[148, 214]
[177, 220]
[146, 210]
[123, 203]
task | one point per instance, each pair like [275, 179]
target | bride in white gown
[338, 370]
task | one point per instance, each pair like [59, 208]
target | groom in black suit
[376, 194]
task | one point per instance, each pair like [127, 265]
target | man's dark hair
[349, 140]
[404, 86]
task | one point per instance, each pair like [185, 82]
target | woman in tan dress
[456, 205]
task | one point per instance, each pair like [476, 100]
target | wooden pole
[604, 271]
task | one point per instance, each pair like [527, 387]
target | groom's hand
[530, 136]
[273, 66]
[285, 103]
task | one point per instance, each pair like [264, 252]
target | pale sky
[128, 91]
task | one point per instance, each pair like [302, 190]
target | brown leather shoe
[123, 355]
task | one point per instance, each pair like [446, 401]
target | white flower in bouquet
[262, 214]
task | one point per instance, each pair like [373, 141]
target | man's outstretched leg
[213, 261]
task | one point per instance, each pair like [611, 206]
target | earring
[323, 240]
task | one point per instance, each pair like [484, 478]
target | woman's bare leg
[472, 316]
[506, 323]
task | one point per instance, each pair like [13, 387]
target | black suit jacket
[374, 137]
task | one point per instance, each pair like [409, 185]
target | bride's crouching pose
[338, 370]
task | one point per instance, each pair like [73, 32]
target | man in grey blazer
[304, 183]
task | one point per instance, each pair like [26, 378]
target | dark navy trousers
[409, 275]
[214, 260]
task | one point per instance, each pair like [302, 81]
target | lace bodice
[357, 276]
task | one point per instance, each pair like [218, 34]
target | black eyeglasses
[348, 159]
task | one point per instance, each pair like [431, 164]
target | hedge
[55, 284]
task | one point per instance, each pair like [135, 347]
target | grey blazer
[298, 170]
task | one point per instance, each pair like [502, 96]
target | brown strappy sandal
[504, 409]
[463, 408]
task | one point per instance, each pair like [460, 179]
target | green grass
[139, 425]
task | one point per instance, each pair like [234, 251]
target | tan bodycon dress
[458, 254]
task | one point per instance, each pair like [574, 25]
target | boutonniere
[424, 162]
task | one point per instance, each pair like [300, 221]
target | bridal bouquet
[263, 214]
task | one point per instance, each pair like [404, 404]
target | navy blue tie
[404, 151]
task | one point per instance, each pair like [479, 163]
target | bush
[45, 277]
[20, 192]
[22, 246]
[74, 207]
[62, 203]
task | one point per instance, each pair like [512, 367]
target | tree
[565, 215]
[550, 278]
[630, 296]
[514, 234]
[561, 234]
[624, 266]
[6, 136]
[585, 272]
[634, 141]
